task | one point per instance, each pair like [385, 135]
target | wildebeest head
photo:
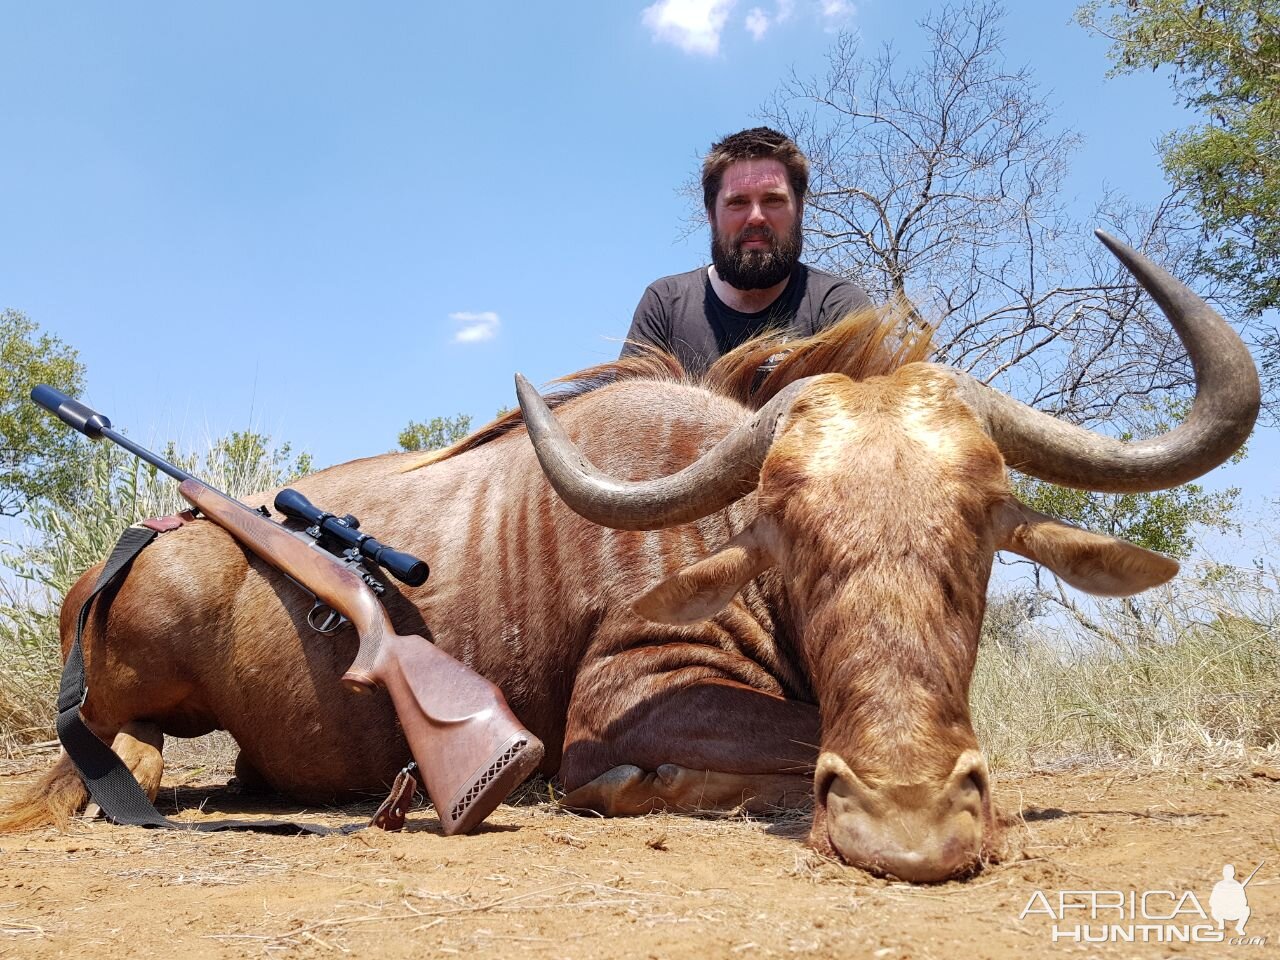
[882, 503]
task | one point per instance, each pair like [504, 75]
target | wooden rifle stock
[471, 750]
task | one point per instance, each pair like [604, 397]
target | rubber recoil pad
[71, 412]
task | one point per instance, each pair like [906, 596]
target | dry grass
[30, 664]
[1193, 679]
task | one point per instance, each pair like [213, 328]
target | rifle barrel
[95, 425]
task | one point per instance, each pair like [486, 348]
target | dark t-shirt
[683, 315]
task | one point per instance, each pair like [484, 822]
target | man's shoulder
[665, 305]
[828, 298]
[820, 280]
[680, 282]
[827, 288]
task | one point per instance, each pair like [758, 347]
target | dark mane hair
[865, 344]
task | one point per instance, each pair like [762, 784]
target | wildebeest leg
[139, 745]
[708, 744]
[247, 778]
[629, 791]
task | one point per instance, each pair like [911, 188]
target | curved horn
[725, 473]
[1226, 404]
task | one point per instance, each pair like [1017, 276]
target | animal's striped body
[202, 637]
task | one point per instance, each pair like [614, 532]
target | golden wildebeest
[821, 567]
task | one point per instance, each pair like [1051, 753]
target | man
[753, 186]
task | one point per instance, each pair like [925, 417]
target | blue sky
[324, 220]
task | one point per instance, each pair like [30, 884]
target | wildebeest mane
[866, 343]
[863, 344]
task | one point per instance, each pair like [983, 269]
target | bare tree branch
[944, 182]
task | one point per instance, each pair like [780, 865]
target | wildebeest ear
[702, 589]
[1092, 562]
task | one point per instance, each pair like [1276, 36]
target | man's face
[755, 225]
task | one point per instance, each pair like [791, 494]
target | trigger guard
[324, 619]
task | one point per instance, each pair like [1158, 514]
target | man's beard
[757, 268]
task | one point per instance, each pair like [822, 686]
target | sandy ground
[538, 882]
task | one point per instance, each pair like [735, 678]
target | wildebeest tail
[59, 793]
[53, 799]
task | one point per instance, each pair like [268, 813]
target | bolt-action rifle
[470, 749]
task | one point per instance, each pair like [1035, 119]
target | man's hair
[754, 144]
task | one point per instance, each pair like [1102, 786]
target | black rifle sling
[110, 783]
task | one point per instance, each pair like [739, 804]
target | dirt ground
[538, 882]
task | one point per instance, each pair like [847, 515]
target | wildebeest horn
[1228, 395]
[725, 473]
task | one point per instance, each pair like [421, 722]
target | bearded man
[753, 186]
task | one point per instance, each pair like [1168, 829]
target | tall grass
[63, 540]
[1196, 681]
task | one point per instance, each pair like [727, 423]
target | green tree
[39, 457]
[1166, 521]
[1225, 60]
[243, 461]
[436, 433]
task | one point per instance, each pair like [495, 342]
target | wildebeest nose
[922, 832]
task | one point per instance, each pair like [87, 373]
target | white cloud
[836, 13]
[692, 25]
[475, 326]
[696, 26]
